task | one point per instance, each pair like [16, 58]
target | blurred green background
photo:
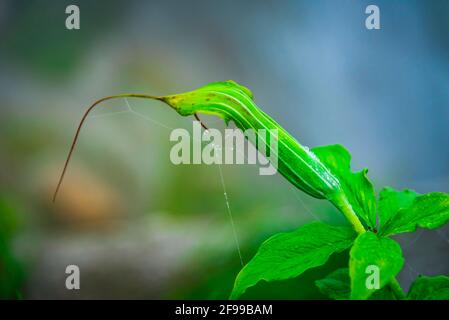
[139, 226]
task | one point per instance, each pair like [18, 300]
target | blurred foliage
[51, 48]
[11, 271]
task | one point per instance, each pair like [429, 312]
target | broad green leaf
[337, 285]
[390, 201]
[429, 288]
[232, 101]
[370, 253]
[429, 211]
[357, 187]
[287, 255]
[383, 294]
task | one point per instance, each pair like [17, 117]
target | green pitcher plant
[323, 173]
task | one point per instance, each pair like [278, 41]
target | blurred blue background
[141, 227]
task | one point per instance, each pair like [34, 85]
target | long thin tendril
[201, 122]
[75, 139]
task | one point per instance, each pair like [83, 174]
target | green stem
[342, 203]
